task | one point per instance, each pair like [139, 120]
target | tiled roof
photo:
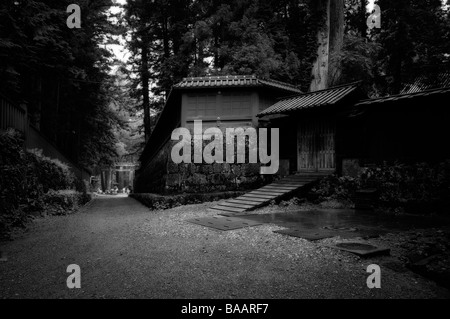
[404, 96]
[234, 81]
[310, 100]
[422, 83]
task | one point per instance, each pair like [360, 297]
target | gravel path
[126, 251]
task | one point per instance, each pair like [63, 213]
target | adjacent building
[219, 101]
[339, 130]
[334, 130]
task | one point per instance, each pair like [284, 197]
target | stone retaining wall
[161, 175]
[212, 177]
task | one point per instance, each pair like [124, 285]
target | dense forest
[92, 105]
[65, 76]
[278, 39]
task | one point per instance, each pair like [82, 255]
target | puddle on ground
[346, 222]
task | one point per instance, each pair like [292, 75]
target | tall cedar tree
[172, 39]
[61, 73]
[278, 39]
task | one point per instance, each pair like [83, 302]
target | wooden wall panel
[201, 105]
[228, 106]
[236, 104]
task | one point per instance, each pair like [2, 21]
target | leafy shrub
[63, 201]
[335, 188]
[416, 187]
[31, 183]
[290, 202]
[51, 173]
[408, 185]
[13, 172]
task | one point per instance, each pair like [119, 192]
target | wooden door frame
[317, 146]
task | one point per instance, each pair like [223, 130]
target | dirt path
[126, 251]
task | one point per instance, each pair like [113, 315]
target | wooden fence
[13, 115]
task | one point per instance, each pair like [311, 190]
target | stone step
[237, 205]
[283, 185]
[303, 176]
[298, 180]
[264, 189]
[251, 199]
[245, 202]
[265, 194]
[276, 191]
[263, 198]
[290, 185]
[229, 209]
[261, 193]
[288, 182]
[277, 187]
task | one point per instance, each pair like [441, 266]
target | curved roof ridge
[234, 81]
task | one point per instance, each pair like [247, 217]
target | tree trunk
[398, 56]
[320, 67]
[336, 40]
[216, 52]
[108, 174]
[165, 36]
[326, 70]
[363, 22]
[145, 89]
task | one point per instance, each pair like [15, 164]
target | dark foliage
[334, 187]
[420, 188]
[174, 39]
[33, 184]
[61, 73]
[413, 33]
[417, 188]
[63, 202]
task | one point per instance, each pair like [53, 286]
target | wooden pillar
[132, 178]
[108, 184]
[103, 180]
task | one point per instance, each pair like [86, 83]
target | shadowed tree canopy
[64, 74]
[414, 33]
[172, 39]
[61, 73]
